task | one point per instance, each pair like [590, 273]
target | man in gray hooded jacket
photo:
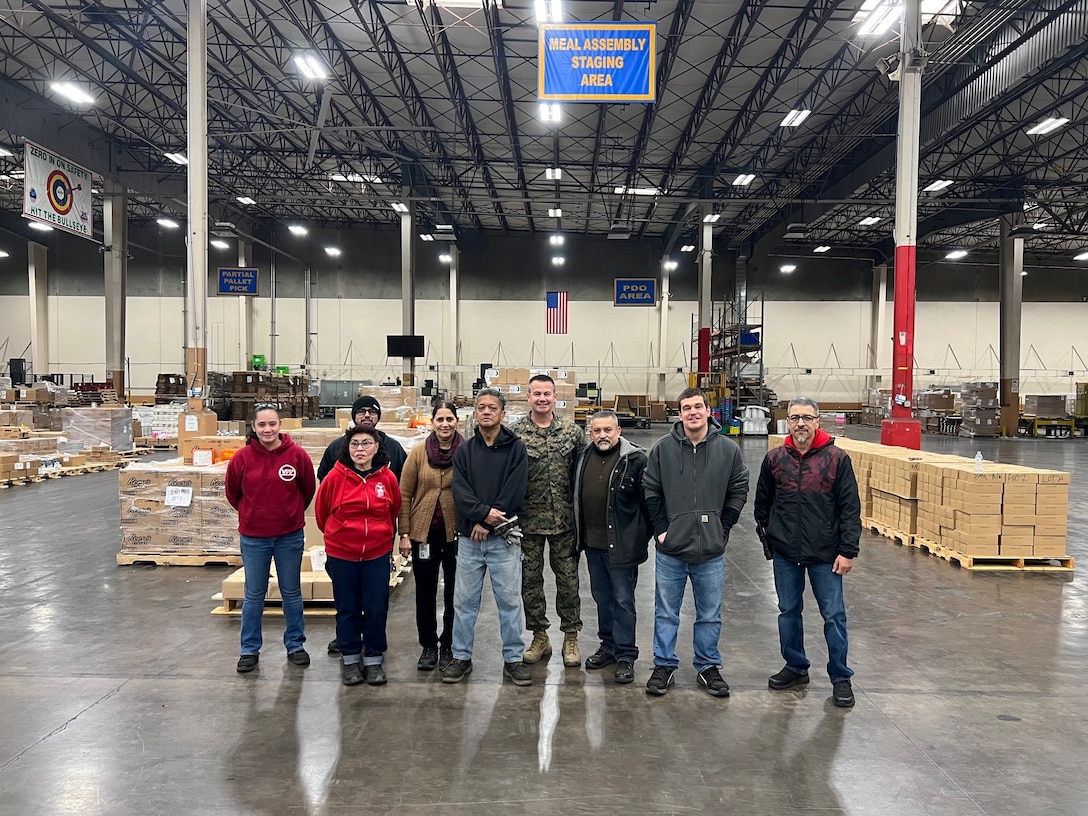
[696, 484]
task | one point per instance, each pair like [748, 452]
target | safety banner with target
[56, 191]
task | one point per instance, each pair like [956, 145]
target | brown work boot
[571, 657]
[539, 648]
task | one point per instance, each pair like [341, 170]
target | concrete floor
[118, 693]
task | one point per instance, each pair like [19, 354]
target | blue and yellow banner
[594, 62]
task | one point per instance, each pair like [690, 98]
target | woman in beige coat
[428, 525]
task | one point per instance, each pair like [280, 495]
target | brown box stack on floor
[514, 383]
[87, 427]
[980, 409]
[1046, 407]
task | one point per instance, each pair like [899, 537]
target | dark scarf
[437, 457]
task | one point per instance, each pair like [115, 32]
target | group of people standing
[498, 500]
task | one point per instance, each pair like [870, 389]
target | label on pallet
[178, 496]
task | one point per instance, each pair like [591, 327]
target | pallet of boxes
[980, 407]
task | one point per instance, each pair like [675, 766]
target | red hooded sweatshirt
[271, 489]
[358, 514]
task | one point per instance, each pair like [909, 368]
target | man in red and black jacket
[808, 516]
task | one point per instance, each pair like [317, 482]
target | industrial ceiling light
[4, 254]
[823, 248]
[177, 158]
[556, 240]
[246, 200]
[744, 179]
[787, 268]
[1040, 225]
[399, 206]
[1023, 273]
[558, 260]
[443, 227]
[880, 19]
[869, 221]
[297, 229]
[956, 254]
[795, 117]
[426, 236]
[219, 243]
[169, 223]
[639, 191]
[687, 248]
[40, 227]
[548, 11]
[937, 186]
[445, 258]
[553, 173]
[357, 178]
[555, 212]
[333, 252]
[1082, 257]
[311, 67]
[671, 265]
[550, 112]
[72, 92]
[711, 218]
[1047, 126]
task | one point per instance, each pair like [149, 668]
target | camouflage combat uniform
[548, 515]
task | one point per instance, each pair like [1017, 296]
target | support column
[901, 429]
[454, 320]
[197, 171]
[663, 333]
[1011, 263]
[245, 310]
[115, 267]
[877, 310]
[273, 332]
[38, 274]
[308, 301]
[408, 287]
[706, 258]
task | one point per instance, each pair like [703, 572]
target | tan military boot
[539, 648]
[571, 657]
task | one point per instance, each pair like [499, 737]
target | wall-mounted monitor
[404, 345]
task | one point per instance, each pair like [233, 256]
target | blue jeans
[707, 582]
[360, 593]
[257, 555]
[474, 558]
[613, 591]
[789, 581]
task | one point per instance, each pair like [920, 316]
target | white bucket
[317, 559]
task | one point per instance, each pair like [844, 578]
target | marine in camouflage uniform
[548, 516]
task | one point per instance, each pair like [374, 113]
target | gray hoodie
[695, 493]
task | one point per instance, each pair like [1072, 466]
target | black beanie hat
[365, 402]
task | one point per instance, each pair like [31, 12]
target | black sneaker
[445, 655]
[787, 678]
[519, 673]
[711, 679]
[351, 674]
[334, 647]
[625, 672]
[660, 681]
[599, 659]
[299, 658]
[842, 694]
[428, 660]
[455, 670]
[247, 663]
[375, 675]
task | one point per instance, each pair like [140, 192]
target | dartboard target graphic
[61, 193]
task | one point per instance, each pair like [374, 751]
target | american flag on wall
[556, 313]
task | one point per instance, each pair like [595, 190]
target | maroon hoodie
[270, 489]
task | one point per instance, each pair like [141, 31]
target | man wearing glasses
[366, 413]
[808, 515]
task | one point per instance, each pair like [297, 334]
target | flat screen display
[404, 345]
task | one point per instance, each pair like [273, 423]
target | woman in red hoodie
[270, 482]
[357, 508]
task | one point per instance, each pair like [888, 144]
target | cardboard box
[1049, 546]
[1016, 549]
[196, 423]
[321, 586]
[1050, 407]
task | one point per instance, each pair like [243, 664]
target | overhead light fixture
[426, 236]
[246, 200]
[548, 11]
[4, 254]
[797, 231]
[938, 185]
[711, 218]
[297, 229]
[1082, 257]
[358, 178]
[177, 158]
[823, 248]
[311, 67]
[956, 254]
[169, 223]
[399, 206]
[869, 221]
[795, 118]
[550, 112]
[332, 251]
[70, 91]
[670, 265]
[619, 232]
[744, 179]
[880, 19]
[687, 248]
[556, 240]
[445, 258]
[639, 191]
[553, 173]
[1040, 225]
[40, 227]
[443, 227]
[558, 260]
[219, 243]
[787, 268]
[555, 212]
[1023, 272]
[470, 4]
[1047, 126]
[5, 152]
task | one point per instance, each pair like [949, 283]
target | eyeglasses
[372, 411]
[364, 444]
[806, 418]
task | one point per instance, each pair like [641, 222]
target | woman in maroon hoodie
[357, 508]
[270, 482]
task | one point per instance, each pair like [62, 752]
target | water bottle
[978, 462]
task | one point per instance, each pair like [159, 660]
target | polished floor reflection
[118, 693]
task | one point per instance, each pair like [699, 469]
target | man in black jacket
[490, 474]
[808, 513]
[366, 412]
[612, 526]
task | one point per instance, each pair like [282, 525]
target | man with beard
[612, 526]
[366, 413]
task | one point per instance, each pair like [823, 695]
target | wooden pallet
[174, 560]
[926, 544]
[233, 608]
[906, 539]
[996, 563]
[6, 483]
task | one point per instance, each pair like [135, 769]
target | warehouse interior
[390, 168]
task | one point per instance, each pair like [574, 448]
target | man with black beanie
[365, 412]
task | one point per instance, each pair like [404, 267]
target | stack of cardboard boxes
[15, 467]
[980, 409]
[89, 427]
[1046, 407]
[514, 383]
